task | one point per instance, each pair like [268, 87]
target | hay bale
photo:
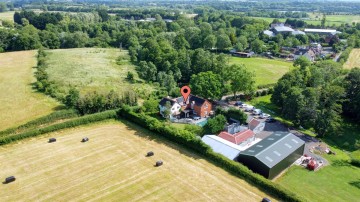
[158, 163]
[85, 139]
[52, 140]
[10, 179]
[150, 153]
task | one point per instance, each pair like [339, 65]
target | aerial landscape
[179, 100]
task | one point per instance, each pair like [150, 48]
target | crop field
[315, 19]
[353, 60]
[112, 167]
[93, 69]
[267, 71]
[7, 16]
[19, 103]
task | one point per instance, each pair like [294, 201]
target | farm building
[272, 155]
[222, 146]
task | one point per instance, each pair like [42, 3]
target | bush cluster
[191, 141]
[68, 124]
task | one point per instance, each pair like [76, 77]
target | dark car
[270, 120]
[238, 103]
[265, 200]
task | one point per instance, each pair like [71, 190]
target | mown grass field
[331, 20]
[93, 69]
[353, 60]
[19, 103]
[339, 181]
[112, 167]
[268, 71]
[7, 16]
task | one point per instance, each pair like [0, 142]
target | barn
[272, 155]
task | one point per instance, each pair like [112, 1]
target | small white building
[222, 146]
[174, 110]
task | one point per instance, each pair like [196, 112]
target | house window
[206, 106]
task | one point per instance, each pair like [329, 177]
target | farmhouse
[272, 155]
[194, 106]
[307, 53]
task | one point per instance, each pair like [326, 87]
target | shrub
[355, 158]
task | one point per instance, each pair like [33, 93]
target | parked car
[256, 111]
[270, 120]
[238, 103]
[249, 108]
[264, 116]
[243, 105]
[197, 118]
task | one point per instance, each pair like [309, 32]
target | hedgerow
[191, 141]
[68, 124]
[55, 116]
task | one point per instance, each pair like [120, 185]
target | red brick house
[195, 105]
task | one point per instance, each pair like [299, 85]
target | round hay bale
[85, 139]
[158, 163]
[150, 153]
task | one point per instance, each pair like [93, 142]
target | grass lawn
[7, 16]
[93, 69]
[112, 167]
[337, 182]
[19, 103]
[353, 60]
[268, 71]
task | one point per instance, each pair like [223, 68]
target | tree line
[316, 95]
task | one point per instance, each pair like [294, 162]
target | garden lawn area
[93, 69]
[9, 15]
[19, 102]
[336, 182]
[353, 60]
[267, 71]
[112, 166]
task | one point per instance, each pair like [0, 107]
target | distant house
[243, 54]
[195, 106]
[307, 53]
[272, 155]
[222, 146]
[174, 110]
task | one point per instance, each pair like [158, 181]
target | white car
[243, 105]
[249, 108]
[264, 116]
[256, 112]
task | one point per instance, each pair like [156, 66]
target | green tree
[323, 21]
[209, 41]
[257, 46]
[151, 105]
[207, 85]
[352, 104]
[241, 80]
[72, 98]
[130, 76]
[223, 42]
[215, 125]
[166, 112]
[302, 62]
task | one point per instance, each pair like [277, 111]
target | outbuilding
[272, 155]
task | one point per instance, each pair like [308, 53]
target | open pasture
[9, 15]
[353, 60]
[19, 103]
[112, 166]
[267, 71]
[92, 69]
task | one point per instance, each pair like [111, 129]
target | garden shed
[272, 155]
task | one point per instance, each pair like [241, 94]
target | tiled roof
[253, 123]
[237, 138]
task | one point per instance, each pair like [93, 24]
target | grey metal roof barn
[273, 154]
